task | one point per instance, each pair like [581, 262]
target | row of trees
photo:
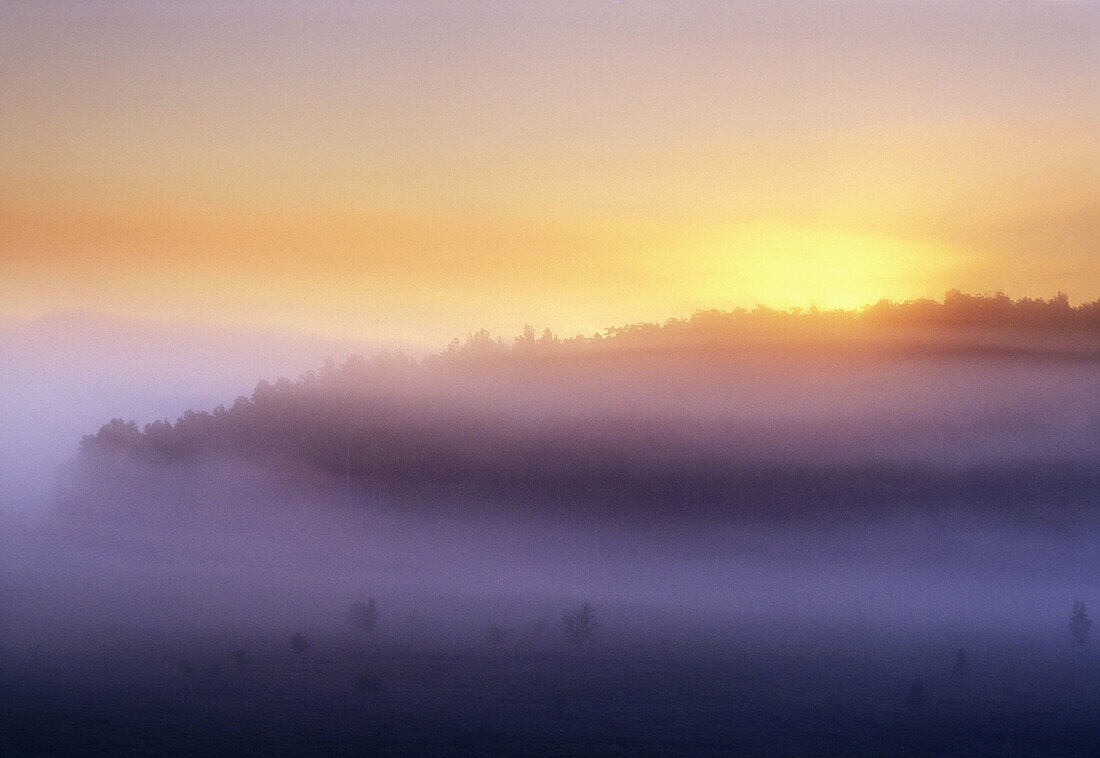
[367, 443]
[578, 626]
[481, 421]
[957, 309]
[1079, 625]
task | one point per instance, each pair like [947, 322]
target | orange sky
[419, 170]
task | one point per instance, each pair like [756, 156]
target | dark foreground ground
[150, 695]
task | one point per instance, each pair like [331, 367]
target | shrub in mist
[1079, 625]
[495, 636]
[363, 616]
[299, 643]
[580, 624]
[962, 667]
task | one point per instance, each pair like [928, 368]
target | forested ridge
[651, 416]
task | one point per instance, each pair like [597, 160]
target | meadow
[694, 687]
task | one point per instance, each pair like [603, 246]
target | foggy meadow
[741, 533]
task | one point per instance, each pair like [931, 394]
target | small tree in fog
[363, 616]
[495, 636]
[961, 667]
[186, 667]
[1079, 624]
[240, 657]
[579, 625]
[299, 643]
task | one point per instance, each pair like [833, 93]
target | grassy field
[152, 695]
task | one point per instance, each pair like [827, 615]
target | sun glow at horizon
[387, 170]
[780, 266]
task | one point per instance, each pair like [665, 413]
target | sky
[410, 172]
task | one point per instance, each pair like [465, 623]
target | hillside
[761, 413]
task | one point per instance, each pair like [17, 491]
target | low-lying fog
[220, 545]
[242, 558]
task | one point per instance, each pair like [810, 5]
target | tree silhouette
[495, 636]
[299, 643]
[363, 616]
[1079, 624]
[369, 420]
[961, 667]
[186, 666]
[580, 624]
[240, 657]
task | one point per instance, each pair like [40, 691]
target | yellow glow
[782, 266]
